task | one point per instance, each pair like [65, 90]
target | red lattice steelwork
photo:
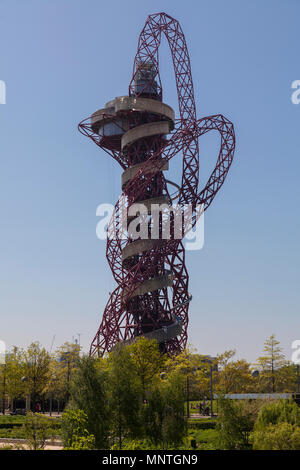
[152, 298]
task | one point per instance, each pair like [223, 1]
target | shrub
[278, 412]
[86, 442]
[133, 444]
[75, 435]
[278, 427]
[281, 436]
[38, 428]
[10, 425]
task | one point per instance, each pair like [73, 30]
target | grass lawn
[206, 439]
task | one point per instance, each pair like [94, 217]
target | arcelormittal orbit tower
[140, 132]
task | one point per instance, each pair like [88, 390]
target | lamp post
[53, 383]
[194, 370]
[50, 406]
[211, 392]
[212, 367]
[34, 385]
[3, 391]
[31, 378]
[188, 396]
[28, 397]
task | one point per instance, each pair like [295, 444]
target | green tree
[14, 371]
[153, 416]
[55, 386]
[200, 377]
[125, 395]
[36, 361]
[147, 361]
[270, 364]
[182, 362]
[89, 393]
[224, 359]
[193, 368]
[235, 423]
[235, 377]
[286, 378]
[63, 366]
[163, 414]
[175, 425]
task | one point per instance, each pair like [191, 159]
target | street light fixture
[213, 367]
[194, 370]
[4, 384]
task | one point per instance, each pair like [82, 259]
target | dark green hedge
[10, 425]
[54, 425]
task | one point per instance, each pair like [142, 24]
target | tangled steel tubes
[152, 297]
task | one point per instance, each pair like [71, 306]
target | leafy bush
[55, 424]
[134, 444]
[86, 442]
[38, 428]
[278, 412]
[281, 436]
[75, 435]
[278, 427]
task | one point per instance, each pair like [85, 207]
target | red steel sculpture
[152, 298]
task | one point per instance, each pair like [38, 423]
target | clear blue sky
[61, 61]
